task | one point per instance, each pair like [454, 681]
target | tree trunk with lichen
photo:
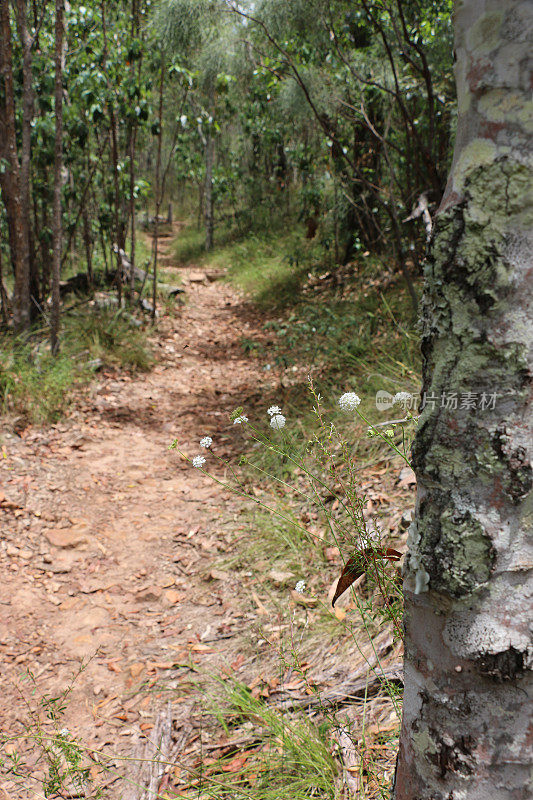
[468, 581]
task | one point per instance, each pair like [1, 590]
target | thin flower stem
[385, 438]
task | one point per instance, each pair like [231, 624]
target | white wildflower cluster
[349, 401]
[206, 442]
[240, 420]
[277, 420]
[402, 398]
[300, 587]
[198, 462]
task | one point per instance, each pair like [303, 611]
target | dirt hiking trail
[110, 542]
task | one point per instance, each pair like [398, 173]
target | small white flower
[206, 442]
[198, 461]
[349, 401]
[300, 587]
[240, 420]
[277, 422]
[273, 410]
[402, 398]
[64, 732]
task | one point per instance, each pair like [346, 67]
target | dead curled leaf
[358, 564]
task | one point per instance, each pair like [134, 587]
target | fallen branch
[155, 758]
[369, 684]
[350, 758]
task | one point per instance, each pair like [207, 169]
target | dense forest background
[334, 119]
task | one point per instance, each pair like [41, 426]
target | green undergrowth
[357, 336]
[38, 387]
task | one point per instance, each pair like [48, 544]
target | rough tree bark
[468, 581]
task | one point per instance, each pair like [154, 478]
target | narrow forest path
[112, 543]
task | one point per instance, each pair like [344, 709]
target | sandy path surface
[109, 541]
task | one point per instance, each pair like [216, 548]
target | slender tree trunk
[208, 193]
[25, 153]
[132, 144]
[4, 302]
[466, 731]
[10, 178]
[200, 205]
[46, 250]
[119, 236]
[158, 191]
[209, 216]
[131, 289]
[88, 244]
[57, 226]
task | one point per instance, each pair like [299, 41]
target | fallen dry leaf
[358, 564]
[201, 648]
[173, 596]
[303, 600]
[406, 478]
[67, 537]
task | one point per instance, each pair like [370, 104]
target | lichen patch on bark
[469, 457]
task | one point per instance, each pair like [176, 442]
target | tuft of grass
[286, 757]
[109, 336]
[33, 384]
[38, 386]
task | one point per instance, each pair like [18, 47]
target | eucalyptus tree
[106, 108]
[466, 730]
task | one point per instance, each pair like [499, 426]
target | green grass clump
[38, 387]
[287, 757]
[109, 336]
[33, 384]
